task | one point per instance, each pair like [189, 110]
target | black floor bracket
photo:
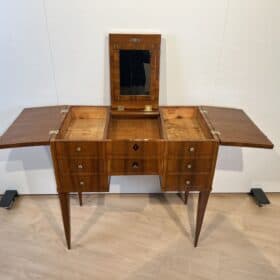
[8, 199]
[259, 196]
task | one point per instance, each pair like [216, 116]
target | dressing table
[133, 136]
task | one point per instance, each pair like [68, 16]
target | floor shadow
[50, 217]
[162, 199]
[95, 216]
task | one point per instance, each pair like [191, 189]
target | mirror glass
[135, 67]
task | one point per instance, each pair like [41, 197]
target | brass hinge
[216, 132]
[135, 40]
[64, 111]
[53, 132]
[120, 108]
[148, 108]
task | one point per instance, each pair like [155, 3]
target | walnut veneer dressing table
[134, 136]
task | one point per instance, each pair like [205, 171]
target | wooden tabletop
[235, 128]
[32, 127]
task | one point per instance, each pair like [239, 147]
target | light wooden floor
[141, 237]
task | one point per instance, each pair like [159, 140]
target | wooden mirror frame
[150, 42]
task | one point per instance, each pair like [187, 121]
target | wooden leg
[186, 196]
[65, 211]
[202, 203]
[80, 198]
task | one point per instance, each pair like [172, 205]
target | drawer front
[189, 165]
[135, 149]
[80, 183]
[180, 182]
[80, 149]
[81, 165]
[134, 166]
[190, 149]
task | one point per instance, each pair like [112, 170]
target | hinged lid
[134, 70]
[34, 127]
[234, 128]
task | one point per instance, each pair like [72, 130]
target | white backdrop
[214, 52]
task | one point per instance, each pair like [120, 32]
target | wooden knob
[191, 149]
[189, 166]
[188, 182]
[78, 149]
[80, 166]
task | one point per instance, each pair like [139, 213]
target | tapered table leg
[65, 211]
[80, 198]
[202, 203]
[186, 195]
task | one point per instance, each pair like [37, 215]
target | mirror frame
[149, 42]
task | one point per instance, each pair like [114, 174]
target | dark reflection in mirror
[135, 72]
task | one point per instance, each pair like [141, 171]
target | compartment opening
[185, 123]
[134, 127]
[84, 123]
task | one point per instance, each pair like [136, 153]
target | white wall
[214, 52]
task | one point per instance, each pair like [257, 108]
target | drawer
[178, 149]
[135, 149]
[80, 183]
[81, 165]
[189, 165]
[134, 166]
[179, 182]
[78, 149]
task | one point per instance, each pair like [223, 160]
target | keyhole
[135, 147]
[135, 165]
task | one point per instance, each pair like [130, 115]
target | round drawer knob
[135, 165]
[189, 166]
[78, 149]
[188, 182]
[191, 149]
[80, 166]
[82, 183]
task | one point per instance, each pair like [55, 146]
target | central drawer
[134, 166]
[135, 149]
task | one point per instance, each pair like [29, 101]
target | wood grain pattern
[235, 128]
[32, 127]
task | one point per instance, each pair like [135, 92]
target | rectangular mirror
[135, 69]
